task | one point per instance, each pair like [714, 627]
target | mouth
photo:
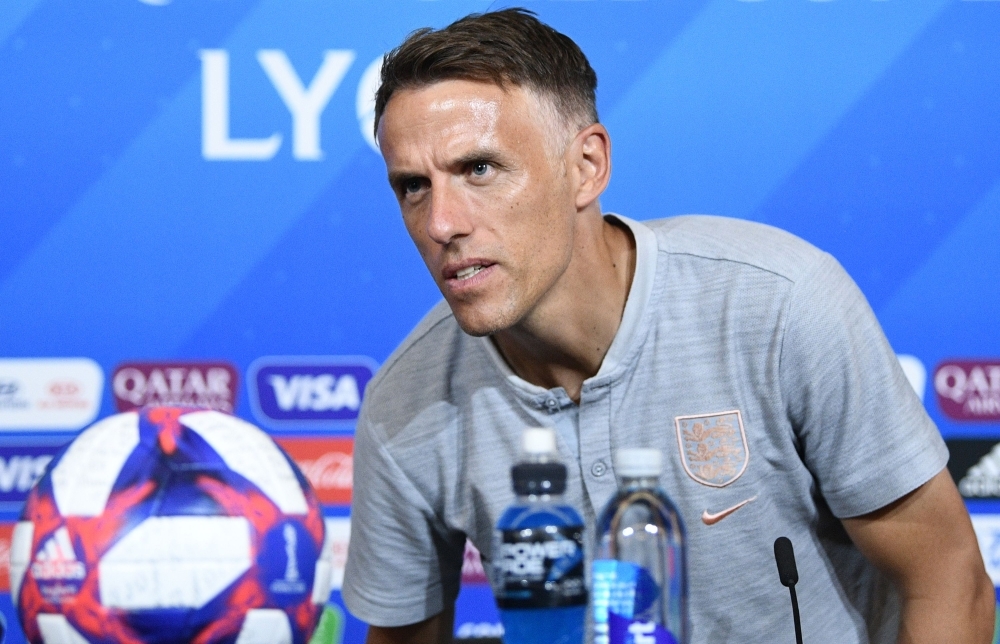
[468, 272]
[465, 274]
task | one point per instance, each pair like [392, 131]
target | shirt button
[598, 468]
[552, 405]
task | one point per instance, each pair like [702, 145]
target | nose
[449, 217]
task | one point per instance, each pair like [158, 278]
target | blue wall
[135, 227]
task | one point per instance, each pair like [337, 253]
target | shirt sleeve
[862, 430]
[403, 565]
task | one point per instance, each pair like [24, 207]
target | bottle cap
[538, 441]
[635, 462]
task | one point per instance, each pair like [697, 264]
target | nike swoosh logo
[709, 518]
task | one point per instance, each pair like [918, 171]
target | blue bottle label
[624, 593]
[633, 631]
[540, 567]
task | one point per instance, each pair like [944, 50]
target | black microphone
[784, 555]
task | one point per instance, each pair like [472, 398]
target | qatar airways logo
[309, 391]
[969, 390]
[194, 384]
[305, 99]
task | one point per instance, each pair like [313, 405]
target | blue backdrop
[191, 180]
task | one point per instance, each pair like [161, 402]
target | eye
[412, 186]
[480, 168]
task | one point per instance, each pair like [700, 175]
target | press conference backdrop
[192, 208]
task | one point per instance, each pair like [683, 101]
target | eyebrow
[487, 155]
[397, 179]
[476, 156]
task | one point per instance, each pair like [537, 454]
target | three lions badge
[713, 447]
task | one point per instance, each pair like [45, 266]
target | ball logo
[197, 384]
[969, 390]
[57, 569]
[292, 581]
[310, 391]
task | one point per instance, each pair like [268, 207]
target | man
[744, 354]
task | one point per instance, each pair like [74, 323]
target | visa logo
[19, 473]
[316, 393]
[308, 392]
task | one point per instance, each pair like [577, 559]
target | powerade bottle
[538, 552]
[640, 569]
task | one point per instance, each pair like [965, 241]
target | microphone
[784, 556]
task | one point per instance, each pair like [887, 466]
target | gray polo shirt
[746, 355]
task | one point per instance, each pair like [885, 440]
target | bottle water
[538, 575]
[639, 569]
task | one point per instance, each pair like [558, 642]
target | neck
[564, 340]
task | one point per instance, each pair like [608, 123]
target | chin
[478, 328]
[481, 323]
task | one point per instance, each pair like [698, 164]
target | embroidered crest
[713, 447]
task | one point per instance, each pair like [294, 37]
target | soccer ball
[170, 525]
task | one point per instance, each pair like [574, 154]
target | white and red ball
[170, 525]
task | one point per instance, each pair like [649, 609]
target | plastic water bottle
[538, 578]
[639, 569]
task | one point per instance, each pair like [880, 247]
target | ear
[591, 158]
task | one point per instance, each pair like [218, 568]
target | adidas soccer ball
[170, 525]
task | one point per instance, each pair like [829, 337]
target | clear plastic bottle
[539, 571]
[640, 566]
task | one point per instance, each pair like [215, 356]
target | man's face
[482, 183]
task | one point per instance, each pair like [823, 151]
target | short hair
[507, 47]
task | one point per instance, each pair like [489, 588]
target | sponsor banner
[975, 466]
[56, 394]
[195, 384]
[987, 527]
[6, 533]
[969, 389]
[20, 468]
[303, 391]
[327, 462]
[472, 566]
[338, 535]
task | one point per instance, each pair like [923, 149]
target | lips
[462, 271]
[468, 278]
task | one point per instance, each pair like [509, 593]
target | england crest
[713, 447]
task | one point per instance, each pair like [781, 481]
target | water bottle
[639, 569]
[538, 575]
